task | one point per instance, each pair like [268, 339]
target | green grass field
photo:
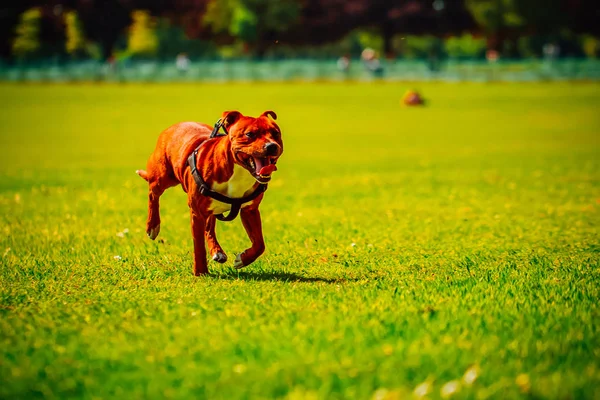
[405, 247]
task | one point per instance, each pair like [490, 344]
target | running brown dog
[219, 173]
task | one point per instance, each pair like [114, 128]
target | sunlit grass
[446, 251]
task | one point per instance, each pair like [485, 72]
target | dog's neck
[223, 163]
[224, 150]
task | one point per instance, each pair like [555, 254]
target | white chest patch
[240, 182]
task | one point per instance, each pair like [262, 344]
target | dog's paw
[220, 257]
[153, 232]
[238, 264]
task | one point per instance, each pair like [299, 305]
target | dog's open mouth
[260, 167]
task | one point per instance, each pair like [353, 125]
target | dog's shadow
[277, 276]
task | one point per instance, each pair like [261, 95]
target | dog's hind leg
[157, 185]
[198, 229]
[214, 248]
[153, 223]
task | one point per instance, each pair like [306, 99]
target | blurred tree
[591, 46]
[188, 14]
[414, 46]
[323, 21]
[553, 16]
[10, 14]
[368, 38]
[75, 39]
[255, 22]
[142, 40]
[439, 17]
[497, 18]
[541, 16]
[507, 22]
[27, 40]
[465, 47]
[104, 21]
[172, 41]
[256, 25]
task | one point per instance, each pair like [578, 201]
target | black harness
[205, 190]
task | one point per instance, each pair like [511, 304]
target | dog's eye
[275, 134]
[250, 135]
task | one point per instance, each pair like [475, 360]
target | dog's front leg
[251, 221]
[214, 248]
[198, 226]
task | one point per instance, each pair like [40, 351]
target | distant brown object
[413, 98]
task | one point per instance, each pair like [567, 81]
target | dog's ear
[269, 114]
[230, 117]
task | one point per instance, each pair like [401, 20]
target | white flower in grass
[450, 389]
[353, 244]
[471, 375]
[118, 258]
[422, 389]
[122, 234]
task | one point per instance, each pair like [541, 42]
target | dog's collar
[205, 190]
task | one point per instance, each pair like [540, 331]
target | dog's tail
[142, 173]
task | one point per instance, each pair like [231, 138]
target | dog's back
[173, 146]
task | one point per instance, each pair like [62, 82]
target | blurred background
[263, 40]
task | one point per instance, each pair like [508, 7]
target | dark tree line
[260, 23]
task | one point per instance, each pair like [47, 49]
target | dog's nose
[271, 149]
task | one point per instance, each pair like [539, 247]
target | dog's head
[256, 142]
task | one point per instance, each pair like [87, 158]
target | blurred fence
[304, 70]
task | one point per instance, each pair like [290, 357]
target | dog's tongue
[262, 169]
[267, 170]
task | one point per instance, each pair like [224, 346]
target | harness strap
[218, 125]
[205, 190]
